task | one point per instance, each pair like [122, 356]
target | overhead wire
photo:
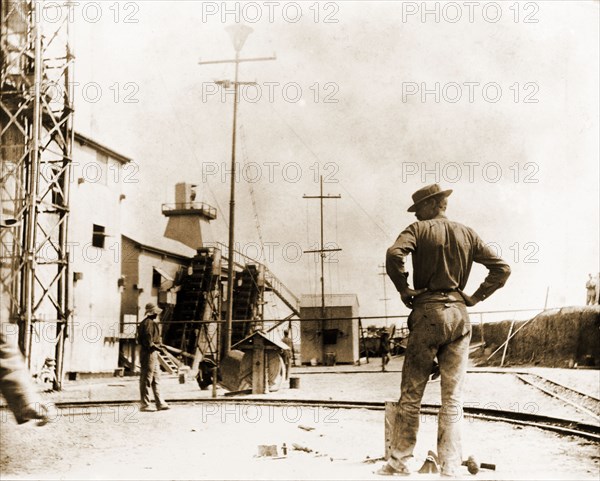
[252, 194]
[379, 227]
[242, 138]
[193, 152]
[308, 257]
[274, 306]
[337, 263]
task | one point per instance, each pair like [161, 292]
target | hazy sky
[498, 101]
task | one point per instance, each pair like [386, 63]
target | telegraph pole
[238, 34]
[322, 252]
[383, 274]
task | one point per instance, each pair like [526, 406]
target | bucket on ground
[294, 383]
[330, 359]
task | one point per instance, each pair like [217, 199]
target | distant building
[148, 274]
[337, 336]
[113, 274]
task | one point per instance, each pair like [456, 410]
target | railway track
[558, 425]
[582, 402]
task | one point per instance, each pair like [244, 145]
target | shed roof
[86, 141]
[248, 340]
[164, 246]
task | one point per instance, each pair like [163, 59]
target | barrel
[330, 359]
[294, 383]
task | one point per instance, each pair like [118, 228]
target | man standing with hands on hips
[442, 253]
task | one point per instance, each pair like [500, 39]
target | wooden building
[336, 337]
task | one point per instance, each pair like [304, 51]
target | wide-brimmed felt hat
[425, 193]
[152, 309]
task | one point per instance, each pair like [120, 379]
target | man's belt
[440, 295]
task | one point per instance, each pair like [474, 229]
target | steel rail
[579, 406]
[521, 375]
[558, 425]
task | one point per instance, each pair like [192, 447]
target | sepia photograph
[299, 240]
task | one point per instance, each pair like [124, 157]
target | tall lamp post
[238, 34]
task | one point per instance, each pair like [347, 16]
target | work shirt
[442, 255]
[148, 333]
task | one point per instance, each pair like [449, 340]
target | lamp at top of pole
[238, 34]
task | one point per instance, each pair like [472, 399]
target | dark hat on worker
[425, 193]
[152, 309]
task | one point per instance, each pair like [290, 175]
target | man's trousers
[439, 329]
[150, 376]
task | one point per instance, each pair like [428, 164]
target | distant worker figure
[287, 355]
[15, 381]
[148, 337]
[442, 253]
[384, 347]
[590, 287]
[16, 385]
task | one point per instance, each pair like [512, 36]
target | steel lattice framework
[36, 133]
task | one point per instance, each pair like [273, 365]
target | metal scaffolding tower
[36, 134]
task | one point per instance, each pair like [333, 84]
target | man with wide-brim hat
[152, 309]
[442, 254]
[148, 337]
[427, 193]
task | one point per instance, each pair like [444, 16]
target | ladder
[168, 362]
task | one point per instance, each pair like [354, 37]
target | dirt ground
[220, 441]
[215, 441]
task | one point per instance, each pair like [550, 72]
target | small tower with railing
[185, 216]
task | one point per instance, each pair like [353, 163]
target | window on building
[156, 278]
[98, 236]
[330, 336]
[159, 276]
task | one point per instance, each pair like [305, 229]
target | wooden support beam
[259, 383]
